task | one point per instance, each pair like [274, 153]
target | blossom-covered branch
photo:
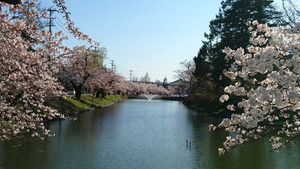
[266, 78]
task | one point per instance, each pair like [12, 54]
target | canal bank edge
[217, 111]
[71, 106]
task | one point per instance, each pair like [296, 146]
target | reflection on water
[141, 134]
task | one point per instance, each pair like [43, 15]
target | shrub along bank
[206, 102]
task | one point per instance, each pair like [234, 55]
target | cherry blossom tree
[105, 82]
[266, 79]
[27, 67]
[29, 59]
[130, 88]
[81, 66]
[137, 88]
[187, 68]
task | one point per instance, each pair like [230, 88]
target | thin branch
[286, 12]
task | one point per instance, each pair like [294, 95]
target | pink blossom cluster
[106, 80]
[133, 88]
[266, 79]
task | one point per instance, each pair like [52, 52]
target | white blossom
[270, 98]
[224, 98]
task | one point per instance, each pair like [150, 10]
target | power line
[71, 37]
[61, 24]
[57, 20]
[45, 3]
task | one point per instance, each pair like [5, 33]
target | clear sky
[151, 36]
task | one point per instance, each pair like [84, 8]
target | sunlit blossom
[271, 94]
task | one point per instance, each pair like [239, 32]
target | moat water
[140, 134]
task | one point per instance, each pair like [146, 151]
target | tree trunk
[98, 94]
[103, 93]
[78, 90]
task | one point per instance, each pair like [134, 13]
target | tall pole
[130, 74]
[113, 67]
[51, 19]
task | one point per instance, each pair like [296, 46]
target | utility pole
[113, 66]
[130, 74]
[51, 19]
[96, 48]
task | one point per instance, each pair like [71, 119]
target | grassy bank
[72, 105]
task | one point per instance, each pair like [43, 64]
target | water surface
[139, 134]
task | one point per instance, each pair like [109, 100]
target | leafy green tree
[202, 71]
[202, 63]
[165, 82]
[229, 29]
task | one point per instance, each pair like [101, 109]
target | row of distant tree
[83, 69]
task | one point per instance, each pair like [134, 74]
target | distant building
[180, 86]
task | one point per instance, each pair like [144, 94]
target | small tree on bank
[81, 66]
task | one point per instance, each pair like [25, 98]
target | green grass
[90, 101]
[72, 105]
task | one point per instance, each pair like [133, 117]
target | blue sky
[142, 35]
